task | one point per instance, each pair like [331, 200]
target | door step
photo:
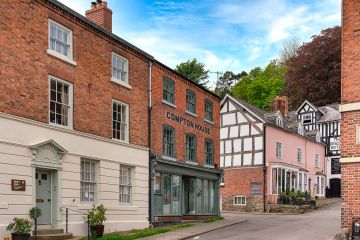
[50, 234]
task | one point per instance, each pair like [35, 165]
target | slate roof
[289, 123]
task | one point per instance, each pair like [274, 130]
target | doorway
[335, 187]
[189, 184]
[44, 195]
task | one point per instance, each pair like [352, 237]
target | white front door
[43, 195]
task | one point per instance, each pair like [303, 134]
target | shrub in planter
[313, 202]
[35, 212]
[95, 219]
[20, 229]
[293, 196]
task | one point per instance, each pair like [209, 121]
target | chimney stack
[280, 104]
[100, 14]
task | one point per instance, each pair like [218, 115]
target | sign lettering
[187, 122]
[18, 185]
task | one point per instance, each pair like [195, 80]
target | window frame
[281, 151]
[242, 203]
[299, 160]
[89, 182]
[303, 118]
[117, 80]
[127, 130]
[129, 185]
[191, 94]
[207, 101]
[70, 105]
[169, 80]
[209, 141]
[187, 136]
[317, 160]
[70, 58]
[168, 127]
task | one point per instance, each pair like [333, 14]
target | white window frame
[299, 150]
[280, 150]
[128, 185]
[68, 59]
[317, 160]
[126, 140]
[236, 200]
[306, 115]
[71, 97]
[116, 80]
[91, 182]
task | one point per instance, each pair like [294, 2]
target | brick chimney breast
[280, 104]
[100, 14]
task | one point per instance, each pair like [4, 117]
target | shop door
[335, 187]
[189, 195]
[43, 195]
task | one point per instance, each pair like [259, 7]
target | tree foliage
[226, 81]
[261, 85]
[195, 71]
[289, 50]
[314, 73]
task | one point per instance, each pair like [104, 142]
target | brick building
[265, 153]
[73, 117]
[185, 147]
[350, 113]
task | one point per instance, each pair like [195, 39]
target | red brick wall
[160, 110]
[238, 182]
[101, 15]
[25, 67]
[350, 172]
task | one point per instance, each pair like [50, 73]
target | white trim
[71, 100]
[127, 68]
[349, 107]
[349, 159]
[168, 158]
[281, 152]
[208, 121]
[71, 131]
[310, 104]
[192, 163]
[59, 55]
[168, 103]
[229, 96]
[121, 83]
[241, 197]
[190, 113]
[127, 120]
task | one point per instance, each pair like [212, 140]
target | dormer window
[279, 121]
[306, 118]
[301, 129]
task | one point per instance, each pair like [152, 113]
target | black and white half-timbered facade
[326, 120]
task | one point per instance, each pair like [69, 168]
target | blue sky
[226, 35]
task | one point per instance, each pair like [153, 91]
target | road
[317, 225]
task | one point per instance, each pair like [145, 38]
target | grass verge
[141, 233]
[214, 219]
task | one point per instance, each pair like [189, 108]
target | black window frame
[209, 153]
[191, 150]
[190, 101]
[209, 113]
[168, 151]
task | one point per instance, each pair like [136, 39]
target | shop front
[183, 191]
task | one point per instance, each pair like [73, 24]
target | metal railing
[89, 237]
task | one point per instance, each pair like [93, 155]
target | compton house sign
[187, 122]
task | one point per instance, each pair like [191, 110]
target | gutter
[264, 168]
[151, 164]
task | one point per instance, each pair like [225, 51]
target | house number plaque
[17, 185]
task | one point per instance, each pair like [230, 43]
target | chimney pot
[100, 14]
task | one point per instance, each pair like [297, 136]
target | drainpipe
[264, 167]
[151, 170]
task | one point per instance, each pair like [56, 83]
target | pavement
[321, 224]
[199, 228]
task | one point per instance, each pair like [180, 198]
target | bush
[32, 212]
[20, 226]
[96, 215]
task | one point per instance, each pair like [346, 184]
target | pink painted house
[264, 153]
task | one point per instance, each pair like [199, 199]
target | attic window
[307, 118]
[301, 129]
[279, 121]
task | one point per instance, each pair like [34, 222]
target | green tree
[195, 71]
[226, 81]
[261, 86]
